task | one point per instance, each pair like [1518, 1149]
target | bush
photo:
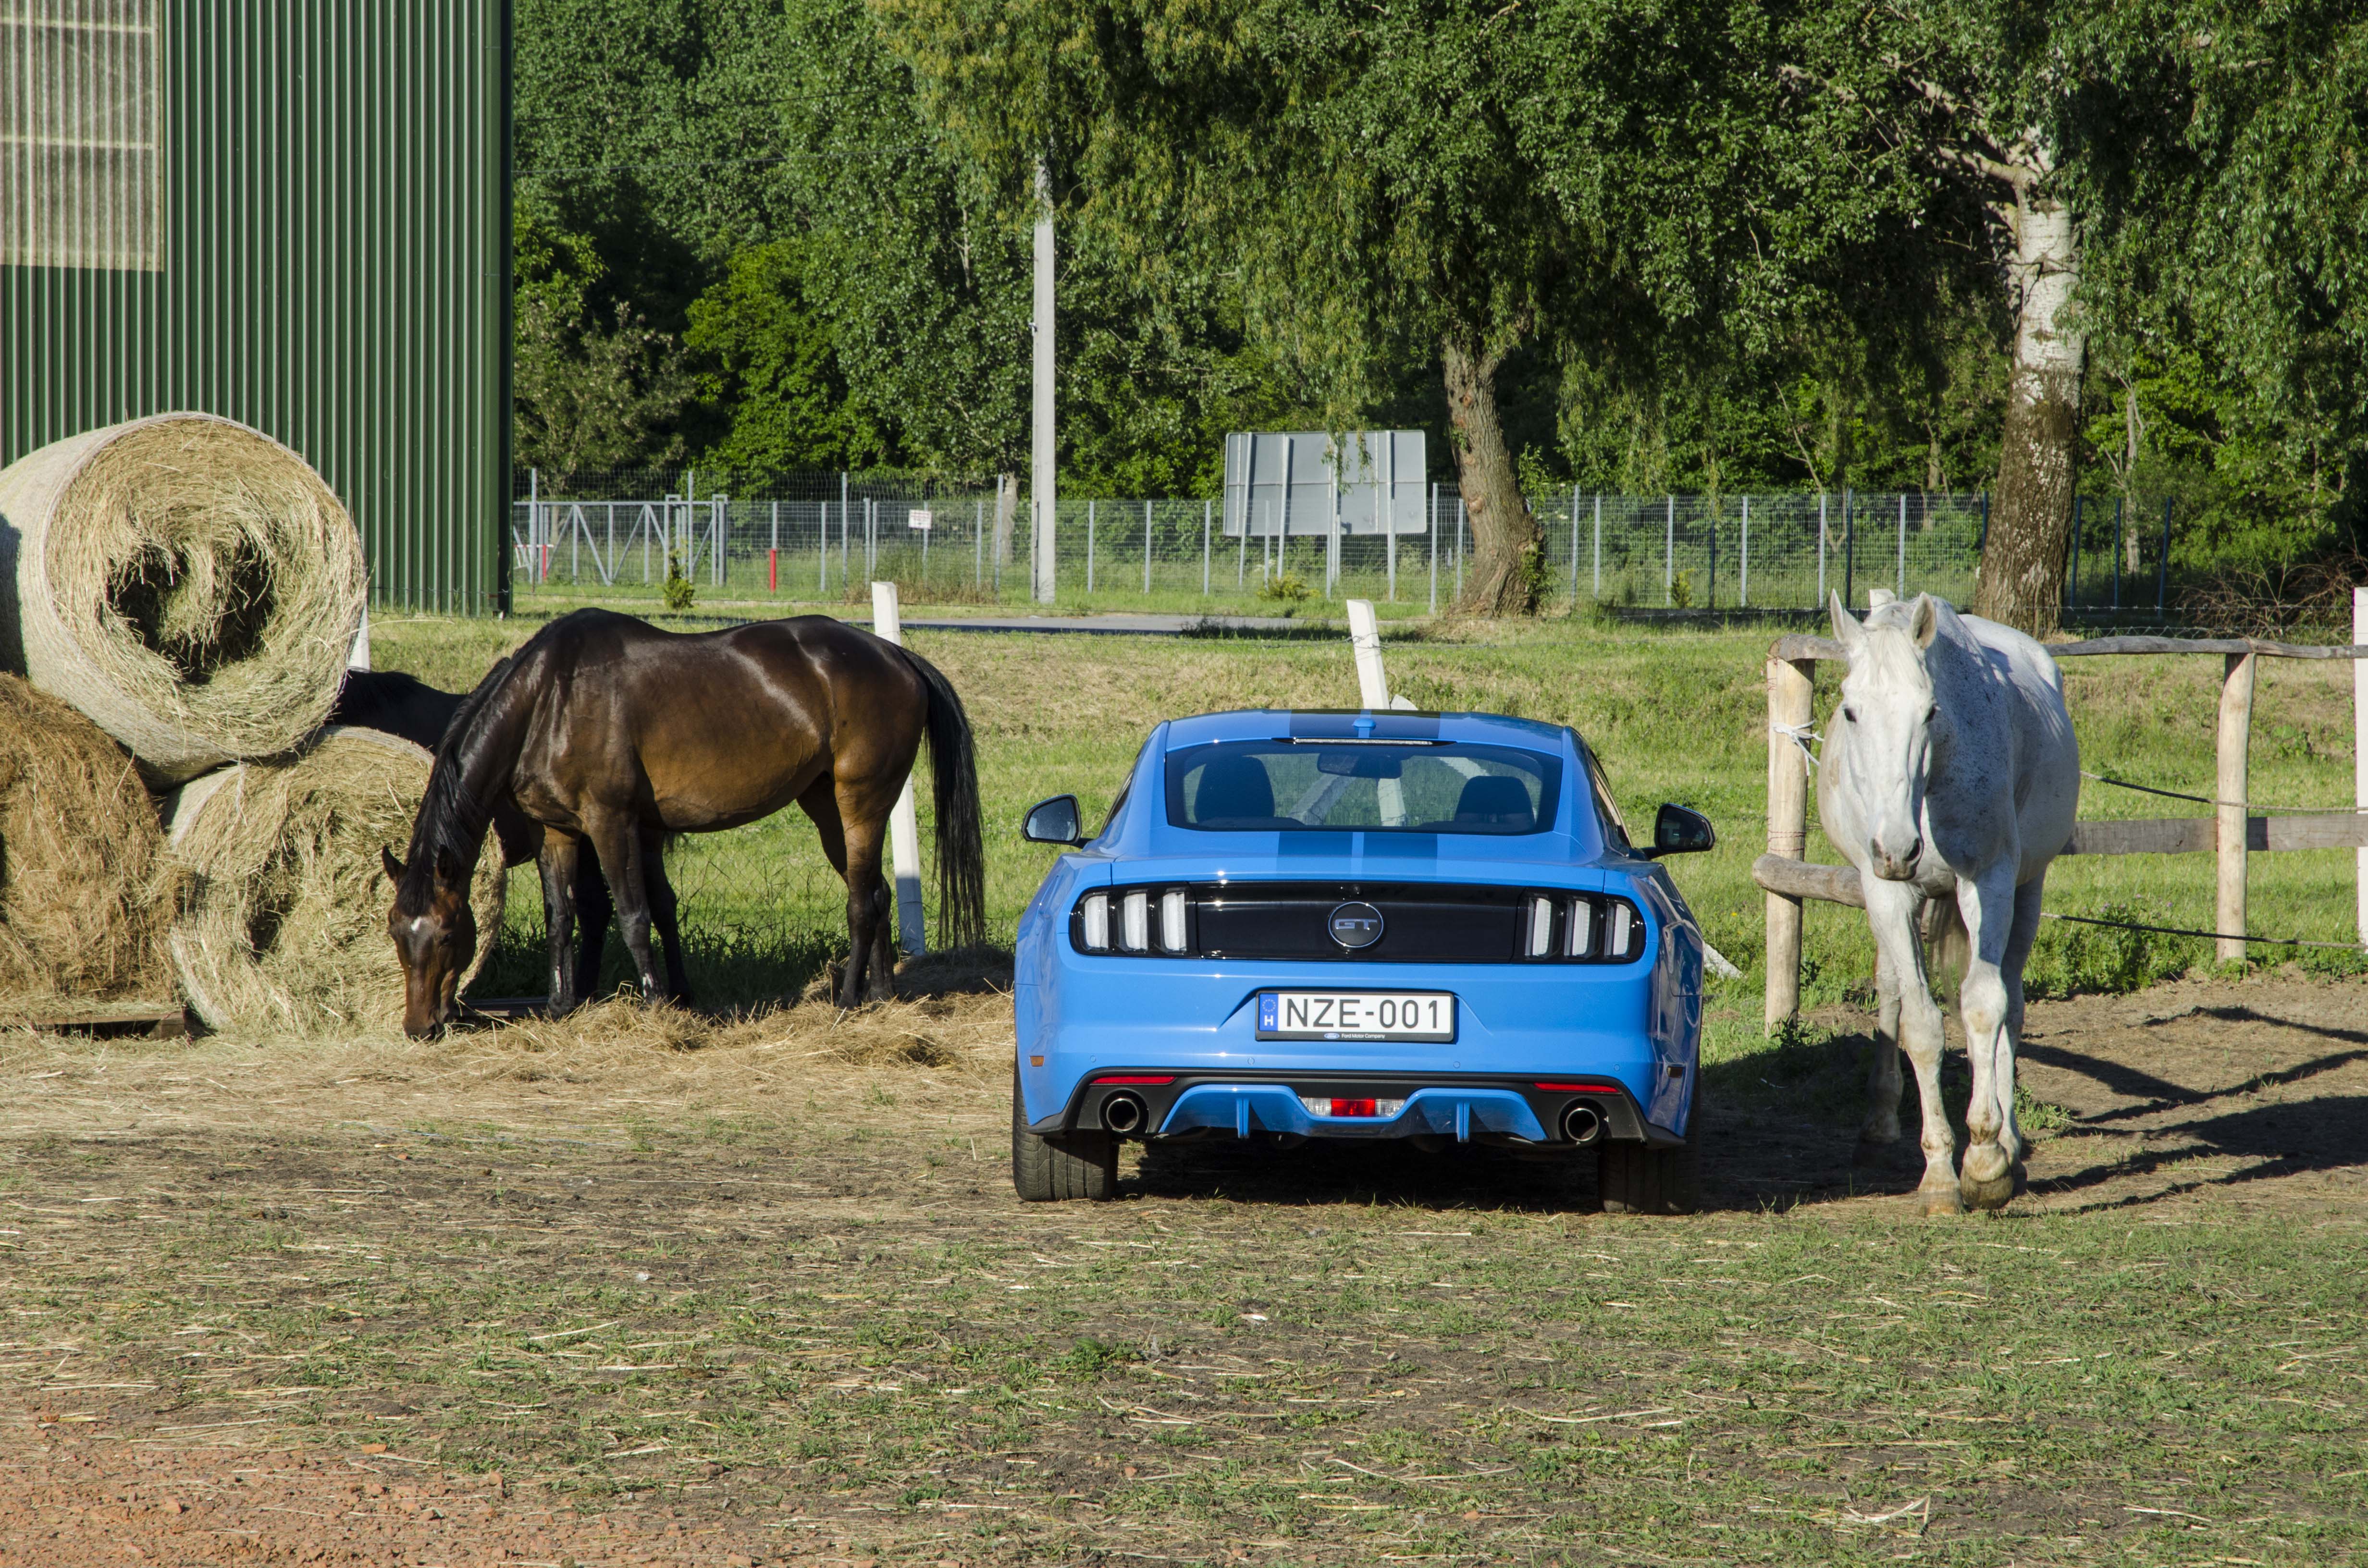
[1286, 587]
[680, 595]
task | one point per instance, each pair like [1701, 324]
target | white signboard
[1285, 482]
[918, 519]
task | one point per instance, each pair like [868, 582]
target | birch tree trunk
[1506, 540]
[2021, 582]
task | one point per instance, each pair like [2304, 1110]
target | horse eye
[1850, 715]
[1932, 713]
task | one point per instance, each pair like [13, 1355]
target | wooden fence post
[1792, 704]
[2359, 743]
[2235, 738]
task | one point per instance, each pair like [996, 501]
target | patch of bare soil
[2200, 1095]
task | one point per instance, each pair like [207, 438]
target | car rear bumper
[1569, 1111]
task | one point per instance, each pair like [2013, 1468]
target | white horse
[1949, 773]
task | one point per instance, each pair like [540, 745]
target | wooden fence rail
[2230, 832]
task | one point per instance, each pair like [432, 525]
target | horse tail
[962, 840]
[1947, 946]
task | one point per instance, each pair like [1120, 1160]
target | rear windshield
[1363, 787]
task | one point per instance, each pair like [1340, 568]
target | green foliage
[771, 365]
[1286, 587]
[2070, 958]
[679, 591]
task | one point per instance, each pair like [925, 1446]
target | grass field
[1675, 716]
[642, 1286]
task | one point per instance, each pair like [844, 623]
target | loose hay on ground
[189, 582]
[81, 901]
[280, 916]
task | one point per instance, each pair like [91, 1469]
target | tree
[1303, 151]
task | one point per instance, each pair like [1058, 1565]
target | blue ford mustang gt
[1361, 925]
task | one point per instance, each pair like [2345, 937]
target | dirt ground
[2196, 1099]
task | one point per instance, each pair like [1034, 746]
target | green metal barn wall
[329, 260]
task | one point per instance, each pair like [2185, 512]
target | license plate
[1356, 1015]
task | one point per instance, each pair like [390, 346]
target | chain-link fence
[821, 538]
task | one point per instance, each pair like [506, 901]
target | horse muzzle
[1892, 866]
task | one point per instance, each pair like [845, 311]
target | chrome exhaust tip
[1582, 1124]
[1122, 1113]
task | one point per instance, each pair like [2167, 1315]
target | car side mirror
[1053, 822]
[1677, 831]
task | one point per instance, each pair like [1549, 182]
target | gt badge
[1356, 925]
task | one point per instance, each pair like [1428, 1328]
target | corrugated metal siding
[294, 214]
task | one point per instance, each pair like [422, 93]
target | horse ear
[1846, 627]
[393, 866]
[1924, 620]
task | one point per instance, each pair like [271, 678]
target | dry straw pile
[280, 923]
[81, 904]
[188, 582]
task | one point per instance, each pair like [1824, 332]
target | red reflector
[1579, 1088]
[1355, 1107]
[1137, 1078]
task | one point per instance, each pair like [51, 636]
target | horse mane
[453, 822]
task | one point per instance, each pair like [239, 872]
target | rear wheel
[1047, 1170]
[1635, 1178]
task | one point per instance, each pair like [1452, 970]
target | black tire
[1049, 1170]
[1635, 1178]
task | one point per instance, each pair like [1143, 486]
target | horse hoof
[1993, 1194]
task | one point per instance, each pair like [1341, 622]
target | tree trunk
[2021, 582]
[1506, 540]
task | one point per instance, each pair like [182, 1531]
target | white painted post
[2360, 741]
[1042, 483]
[358, 658]
[1089, 547]
[904, 823]
[1365, 642]
[1146, 547]
[1205, 508]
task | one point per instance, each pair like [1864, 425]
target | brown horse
[404, 705]
[613, 734]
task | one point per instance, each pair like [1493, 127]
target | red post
[772, 571]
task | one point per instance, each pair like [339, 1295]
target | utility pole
[1041, 483]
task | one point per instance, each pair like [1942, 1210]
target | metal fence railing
[820, 538]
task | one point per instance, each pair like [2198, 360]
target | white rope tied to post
[1800, 735]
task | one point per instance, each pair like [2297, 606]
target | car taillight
[1137, 1078]
[1541, 927]
[1580, 929]
[1623, 924]
[1171, 920]
[1136, 923]
[1096, 923]
[1326, 1105]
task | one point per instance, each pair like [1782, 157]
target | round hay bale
[190, 583]
[82, 899]
[280, 921]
